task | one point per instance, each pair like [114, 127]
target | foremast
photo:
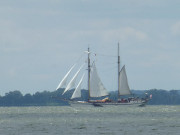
[89, 70]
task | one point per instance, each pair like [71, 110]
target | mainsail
[77, 91]
[123, 82]
[71, 84]
[96, 87]
[64, 80]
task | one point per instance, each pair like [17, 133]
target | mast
[88, 74]
[118, 72]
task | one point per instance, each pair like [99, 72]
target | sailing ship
[96, 88]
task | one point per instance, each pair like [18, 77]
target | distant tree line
[163, 97]
[16, 98]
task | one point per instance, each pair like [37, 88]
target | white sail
[96, 87]
[123, 82]
[64, 80]
[77, 91]
[71, 84]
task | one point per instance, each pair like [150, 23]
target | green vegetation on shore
[16, 98]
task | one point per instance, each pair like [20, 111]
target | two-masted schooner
[97, 89]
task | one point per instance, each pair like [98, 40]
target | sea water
[89, 120]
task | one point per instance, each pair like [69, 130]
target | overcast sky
[41, 39]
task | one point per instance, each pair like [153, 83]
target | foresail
[97, 89]
[71, 84]
[77, 91]
[123, 82]
[64, 80]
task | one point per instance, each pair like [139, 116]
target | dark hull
[100, 104]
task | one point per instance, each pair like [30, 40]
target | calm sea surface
[89, 120]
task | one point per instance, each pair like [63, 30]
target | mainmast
[88, 74]
[118, 72]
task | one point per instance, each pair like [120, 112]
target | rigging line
[104, 55]
[81, 56]
[108, 69]
[106, 63]
[78, 60]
